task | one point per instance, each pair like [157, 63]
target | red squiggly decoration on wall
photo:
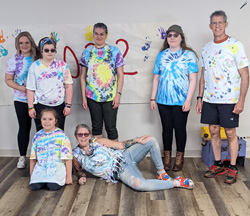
[89, 44]
[124, 55]
[76, 60]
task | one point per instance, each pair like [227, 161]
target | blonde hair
[34, 49]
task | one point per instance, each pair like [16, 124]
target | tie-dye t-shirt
[173, 69]
[19, 67]
[222, 79]
[101, 162]
[48, 82]
[101, 81]
[50, 149]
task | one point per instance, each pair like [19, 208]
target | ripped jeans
[132, 176]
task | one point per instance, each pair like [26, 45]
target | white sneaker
[21, 164]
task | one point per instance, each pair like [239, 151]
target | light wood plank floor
[98, 198]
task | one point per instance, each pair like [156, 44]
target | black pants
[24, 122]
[172, 117]
[49, 186]
[59, 109]
[103, 112]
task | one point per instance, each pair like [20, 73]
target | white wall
[133, 119]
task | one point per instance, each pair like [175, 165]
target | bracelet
[31, 109]
[68, 105]
[152, 99]
[119, 93]
[199, 97]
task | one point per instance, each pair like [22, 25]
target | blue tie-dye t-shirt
[19, 67]
[173, 69]
[222, 62]
[101, 63]
[102, 161]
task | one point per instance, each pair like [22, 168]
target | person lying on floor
[113, 161]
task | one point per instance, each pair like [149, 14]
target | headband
[46, 40]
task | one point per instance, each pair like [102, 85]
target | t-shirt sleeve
[157, 65]
[119, 60]
[33, 148]
[31, 79]
[10, 66]
[240, 55]
[66, 150]
[67, 75]
[83, 62]
[192, 63]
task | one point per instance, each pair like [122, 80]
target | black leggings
[24, 122]
[172, 117]
[59, 109]
[49, 186]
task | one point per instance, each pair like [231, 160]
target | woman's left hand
[186, 106]
[143, 139]
[66, 111]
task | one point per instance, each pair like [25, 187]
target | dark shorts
[219, 114]
[103, 112]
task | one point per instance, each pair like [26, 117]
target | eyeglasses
[83, 134]
[101, 35]
[174, 35]
[47, 50]
[217, 23]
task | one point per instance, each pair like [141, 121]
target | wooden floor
[209, 197]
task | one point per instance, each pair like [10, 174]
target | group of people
[43, 90]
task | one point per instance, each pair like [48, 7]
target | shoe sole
[229, 182]
[220, 173]
[21, 167]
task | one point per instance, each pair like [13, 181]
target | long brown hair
[183, 45]
[34, 49]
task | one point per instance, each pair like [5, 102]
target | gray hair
[82, 126]
[218, 13]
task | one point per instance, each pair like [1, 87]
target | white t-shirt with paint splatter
[222, 62]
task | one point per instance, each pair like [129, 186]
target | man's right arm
[201, 91]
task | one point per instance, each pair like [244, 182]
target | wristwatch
[199, 97]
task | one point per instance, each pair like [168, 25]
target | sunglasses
[174, 35]
[83, 134]
[47, 50]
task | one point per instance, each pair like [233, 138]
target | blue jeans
[132, 176]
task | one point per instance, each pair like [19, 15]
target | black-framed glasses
[174, 35]
[48, 50]
[83, 134]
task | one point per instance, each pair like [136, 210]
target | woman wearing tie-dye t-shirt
[16, 77]
[175, 73]
[49, 84]
[102, 82]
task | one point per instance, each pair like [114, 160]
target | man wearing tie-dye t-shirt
[223, 86]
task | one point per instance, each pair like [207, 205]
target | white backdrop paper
[139, 43]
